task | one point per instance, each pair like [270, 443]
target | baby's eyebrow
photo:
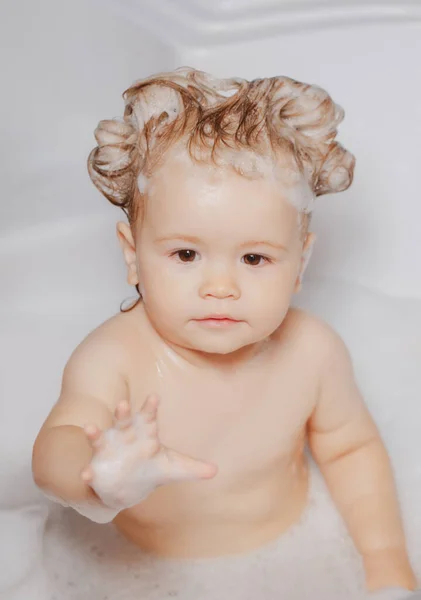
[195, 240]
[264, 243]
[176, 236]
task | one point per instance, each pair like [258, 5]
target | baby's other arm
[347, 446]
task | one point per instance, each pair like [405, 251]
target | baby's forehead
[242, 169]
[222, 215]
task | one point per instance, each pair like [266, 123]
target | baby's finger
[94, 435]
[87, 474]
[150, 408]
[182, 467]
[123, 415]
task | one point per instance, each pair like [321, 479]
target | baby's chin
[220, 348]
[223, 343]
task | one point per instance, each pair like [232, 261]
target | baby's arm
[92, 384]
[346, 444]
[92, 453]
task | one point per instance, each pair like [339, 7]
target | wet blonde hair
[268, 116]
[271, 117]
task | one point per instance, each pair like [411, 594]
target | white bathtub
[60, 265]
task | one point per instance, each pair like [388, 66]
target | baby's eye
[254, 259]
[185, 255]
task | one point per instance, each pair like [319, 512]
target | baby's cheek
[274, 304]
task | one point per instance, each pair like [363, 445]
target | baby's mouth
[217, 320]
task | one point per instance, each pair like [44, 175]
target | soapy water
[315, 558]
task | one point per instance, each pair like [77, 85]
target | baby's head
[218, 179]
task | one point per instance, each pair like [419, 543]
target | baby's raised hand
[129, 461]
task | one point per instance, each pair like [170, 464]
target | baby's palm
[129, 461]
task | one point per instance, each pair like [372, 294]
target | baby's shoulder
[310, 334]
[108, 343]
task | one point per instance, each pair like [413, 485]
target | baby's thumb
[182, 467]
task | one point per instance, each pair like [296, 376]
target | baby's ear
[305, 257]
[308, 244]
[125, 238]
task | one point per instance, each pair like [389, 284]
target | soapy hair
[271, 117]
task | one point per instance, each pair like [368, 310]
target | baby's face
[215, 243]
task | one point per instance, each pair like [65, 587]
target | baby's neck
[225, 364]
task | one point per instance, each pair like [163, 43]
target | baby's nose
[220, 283]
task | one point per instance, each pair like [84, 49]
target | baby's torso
[252, 426]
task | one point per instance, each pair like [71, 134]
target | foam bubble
[158, 99]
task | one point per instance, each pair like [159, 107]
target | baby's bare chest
[244, 423]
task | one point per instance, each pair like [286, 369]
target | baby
[183, 419]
